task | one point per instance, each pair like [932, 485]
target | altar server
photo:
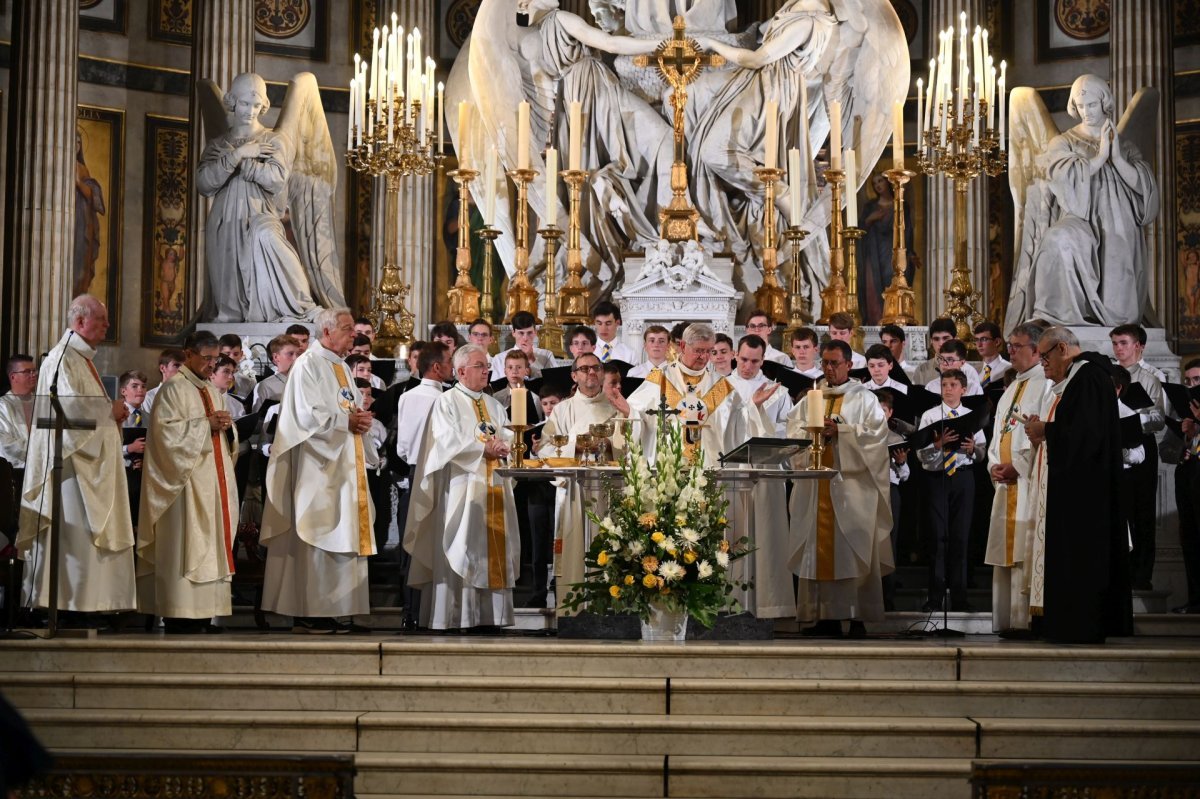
[96, 537]
[841, 526]
[462, 523]
[189, 497]
[317, 525]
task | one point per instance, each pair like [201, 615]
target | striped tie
[950, 458]
[987, 376]
[135, 418]
[605, 351]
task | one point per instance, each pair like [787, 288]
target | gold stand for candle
[899, 301]
[835, 297]
[770, 296]
[522, 296]
[799, 312]
[551, 335]
[817, 453]
[573, 305]
[487, 305]
[850, 237]
[518, 445]
[464, 297]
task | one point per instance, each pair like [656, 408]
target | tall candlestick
[794, 180]
[835, 134]
[350, 120]
[575, 125]
[1002, 100]
[771, 144]
[920, 111]
[490, 176]
[551, 187]
[374, 59]
[523, 135]
[898, 132]
[851, 189]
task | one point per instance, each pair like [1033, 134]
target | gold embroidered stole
[1011, 495]
[826, 520]
[218, 445]
[360, 472]
[497, 549]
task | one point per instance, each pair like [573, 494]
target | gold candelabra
[393, 152]
[573, 297]
[464, 297]
[899, 301]
[960, 159]
[770, 296]
[835, 297]
[487, 307]
[799, 312]
[522, 296]
[551, 335]
[850, 237]
[817, 453]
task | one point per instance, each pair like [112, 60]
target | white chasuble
[462, 524]
[317, 524]
[97, 572]
[571, 417]
[841, 526]
[1013, 504]
[189, 511]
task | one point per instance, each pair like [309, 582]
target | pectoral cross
[679, 62]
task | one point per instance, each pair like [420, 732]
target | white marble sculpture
[259, 180]
[1082, 199]
[852, 50]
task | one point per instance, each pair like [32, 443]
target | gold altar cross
[679, 62]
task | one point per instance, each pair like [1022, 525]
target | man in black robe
[1086, 579]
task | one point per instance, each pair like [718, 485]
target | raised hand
[764, 393]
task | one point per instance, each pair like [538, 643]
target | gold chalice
[559, 440]
[602, 440]
[583, 446]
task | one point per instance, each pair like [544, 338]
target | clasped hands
[220, 421]
[495, 449]
[360, 420]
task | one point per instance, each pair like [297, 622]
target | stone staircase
[533, 717]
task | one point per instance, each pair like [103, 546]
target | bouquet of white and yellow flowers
[663, 540]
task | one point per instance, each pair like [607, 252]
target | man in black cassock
[1083, 591]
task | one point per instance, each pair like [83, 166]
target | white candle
[946, 116]
[986, 53]
[418, 56]
[523, 135]
[441, 110]
[1002, 100]
[771, 144]
[350, 118]
[851, 189]
[429, 88]
[551, 186]
[794, 185]
[575, 126]
[835, 134]
[374, 59]
[920, 112]
[463, 132]
[381, 77]
[977, 52]
[815, 408]
[391, 112]
[898, 133]
[489, 193]
[519, 405]
[397, 56]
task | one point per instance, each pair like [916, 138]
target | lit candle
[523, 135]
[920, 111]
[986, 52]
[898, 132]
[794, 185]
[518, 407]
[1002, 100]
[350, 119]
[441, 110]
[489, 193]
[575, 125]
[397, 55]
[551, 187]
[463, 132]
[815, 408]
[374, 59]
[851, 189]
[977, 52]
[381, 76]
[835, 134]
[391, 112]
[771, 145]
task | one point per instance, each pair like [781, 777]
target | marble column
[416, 216]
[222, 49]
[1143, 54]
[939, 193]
[40, 169]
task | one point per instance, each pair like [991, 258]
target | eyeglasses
[948, 361]
[832, 364]
[588, 369]
[477, 366]
[33, 371]
[984, 339]
[759, 326]
[1012, 345]
[1044, 357]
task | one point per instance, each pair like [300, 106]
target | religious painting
[360, 191]
[171, 21]
[1072, 28]
[102, 15]
[99, 170]
[292, 28]
[1187, 233]
[876, 215]
[165, 234]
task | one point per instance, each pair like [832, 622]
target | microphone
[58, 366]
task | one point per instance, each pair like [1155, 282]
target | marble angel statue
[853, 51]
[262, 181]
[1082, 198]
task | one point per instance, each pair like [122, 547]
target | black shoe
[826, 628]
[1190, 608]
[316, 625]
[857, 630]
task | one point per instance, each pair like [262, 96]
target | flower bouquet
[662, 545]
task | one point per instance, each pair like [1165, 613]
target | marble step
[870, 698]
[715, 736]
[1089, 739]
[1129, 661]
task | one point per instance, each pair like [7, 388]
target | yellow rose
[602, 558]
[689, 557]
[648, 520]
[673, 553]
[614, 591]
[722, 521]
[724, 547]
[657, 537]
[650, 581]
[650, 563]
[629, 579]
[680, 521]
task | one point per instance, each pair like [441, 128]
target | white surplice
[1013, 505]
[462, 524]
[773, 596]
[97, 572]
[841, 526]
[189, 510]
[317, 524]
[14, 428]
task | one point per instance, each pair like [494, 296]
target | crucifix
[679, 62]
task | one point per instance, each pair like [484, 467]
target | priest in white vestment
[189, 511]
[96, 536]
[587, 406]
[462, 524]
[318, 521]
[1011, 456]
[842, 526]
[773, 596]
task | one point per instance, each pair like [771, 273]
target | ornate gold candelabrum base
[678, 220]
[961, 296]
[799, 312]
[551, 335]
[393, 321]
[770, 296]
[463, 296]
[522, 296]
[899, 300]
[850, 237]
[573, 299]
[518, 444]
[834, 297]
[487, 308]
